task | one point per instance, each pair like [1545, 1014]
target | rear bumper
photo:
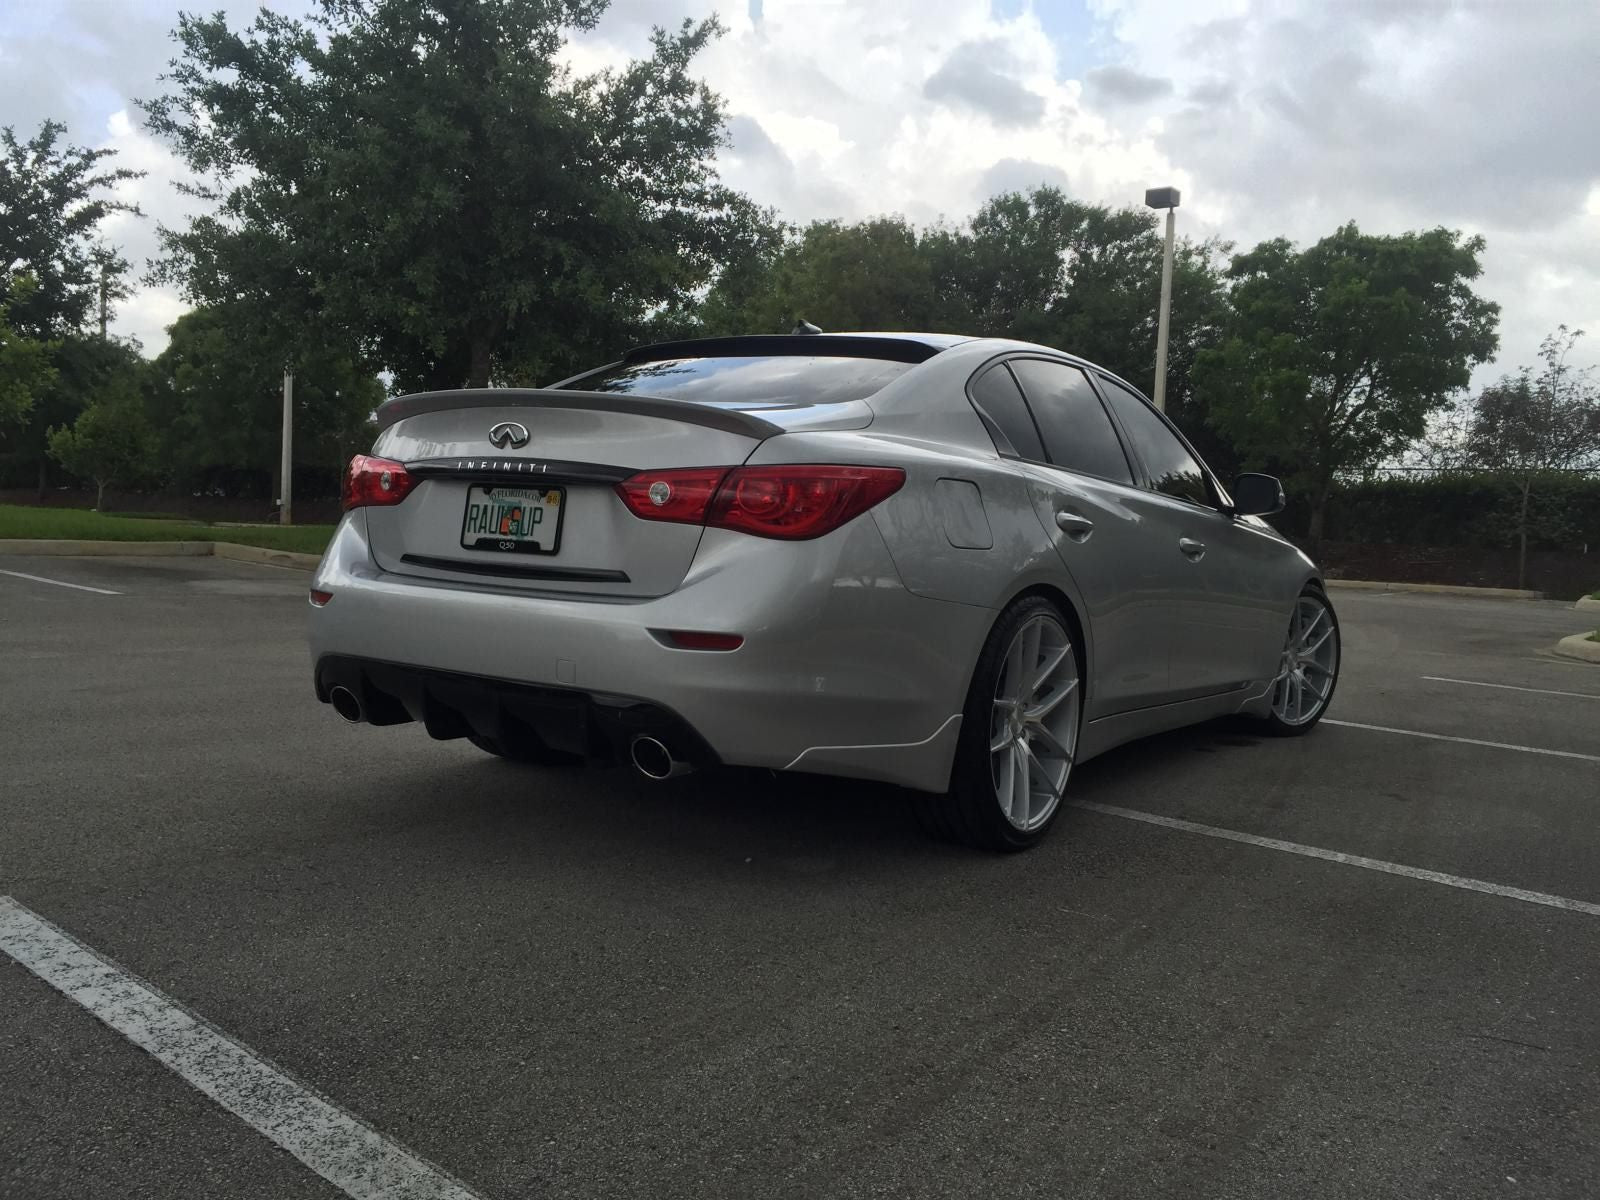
[451, 705]
[842, 670]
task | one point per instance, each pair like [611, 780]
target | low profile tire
[1308, 669]
[523, 752]
[1019, 733]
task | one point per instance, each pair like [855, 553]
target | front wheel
[1308, 669]
[1019, 733]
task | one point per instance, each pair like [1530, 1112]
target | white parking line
[339, 1147]
[82, 587]
[1445, 737]
[1508, 687]
[1349, 860]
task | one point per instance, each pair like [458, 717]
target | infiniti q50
[958, 565]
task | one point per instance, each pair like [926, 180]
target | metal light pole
[1166, 198]
[286, 488]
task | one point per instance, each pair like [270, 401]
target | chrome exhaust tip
[653, 760]
[346, 704]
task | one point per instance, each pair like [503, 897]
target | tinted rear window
[1077, 433]
[775, 381]
[999, 402]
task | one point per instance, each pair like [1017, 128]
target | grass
[22, 521]
[1595, 636]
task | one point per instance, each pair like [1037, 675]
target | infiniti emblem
[509, 433]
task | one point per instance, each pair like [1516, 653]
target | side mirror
[1257, 495]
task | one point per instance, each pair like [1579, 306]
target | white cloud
[145, 314]
[1274, 116]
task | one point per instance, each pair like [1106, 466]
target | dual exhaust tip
[650, 755]
[347, 704]
[653, 760]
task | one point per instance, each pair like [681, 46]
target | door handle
[1074, 525]
[1192, 550]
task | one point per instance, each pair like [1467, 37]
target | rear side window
[774, 381]
[1005, 412]
[1173, 470]
[1078, 436]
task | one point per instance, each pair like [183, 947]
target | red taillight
[792, 502]
[694, 639]
[319, 598]
[680, 494]
[377, 481]
[801, 502]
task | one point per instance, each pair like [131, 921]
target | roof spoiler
[686, 411]
[776, 345]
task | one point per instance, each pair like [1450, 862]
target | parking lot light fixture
[1167, 198]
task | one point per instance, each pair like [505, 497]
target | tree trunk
[1319, 510]
[44, 479]
[478, 368]
[99, 494]
[1522, 534]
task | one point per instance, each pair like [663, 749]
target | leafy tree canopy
[1038, 266]
[215, 396]
[25, 372]
[1544, 419]
[53, 197]
[111, 441]
[427, 176]
[1333, 356]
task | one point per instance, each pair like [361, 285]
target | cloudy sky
[1273, 116]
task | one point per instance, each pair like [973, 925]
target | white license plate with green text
[515, 520]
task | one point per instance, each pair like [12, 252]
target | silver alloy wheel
[1310, 663]
[1034, 731]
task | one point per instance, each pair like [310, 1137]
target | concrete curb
[1578, 646]
[77, 547]
[231, 550]
[1434, 589]
[260, 554]
[1588, 602]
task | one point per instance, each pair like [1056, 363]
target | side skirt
[1110, 732]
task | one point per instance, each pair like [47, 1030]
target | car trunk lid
[541, 514]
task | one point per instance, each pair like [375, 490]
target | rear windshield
[774, 381]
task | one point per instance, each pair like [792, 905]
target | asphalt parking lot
[568, 984]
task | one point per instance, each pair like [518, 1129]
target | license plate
[512, 519]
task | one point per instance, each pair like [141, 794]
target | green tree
[1087, 279]
[1334, 356]
[870, 275]
[427, 176]
[111, 441]
[1533, 424]
[83, 367]
[54, 275]
[1038, 266]
[25, 372]
[215, 395]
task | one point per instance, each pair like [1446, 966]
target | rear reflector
[788, 502]
[318, 599]
[680, 495]
[375, 482]
[691, 639]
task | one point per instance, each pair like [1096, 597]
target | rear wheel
[1308, 669]
[1019, 733]
[535, 753]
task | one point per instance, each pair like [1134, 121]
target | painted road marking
[1349, 860]
[341, 1148]
[82, 587]
[1445, 737]
[1507, 687]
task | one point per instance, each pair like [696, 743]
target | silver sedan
[958, 565]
